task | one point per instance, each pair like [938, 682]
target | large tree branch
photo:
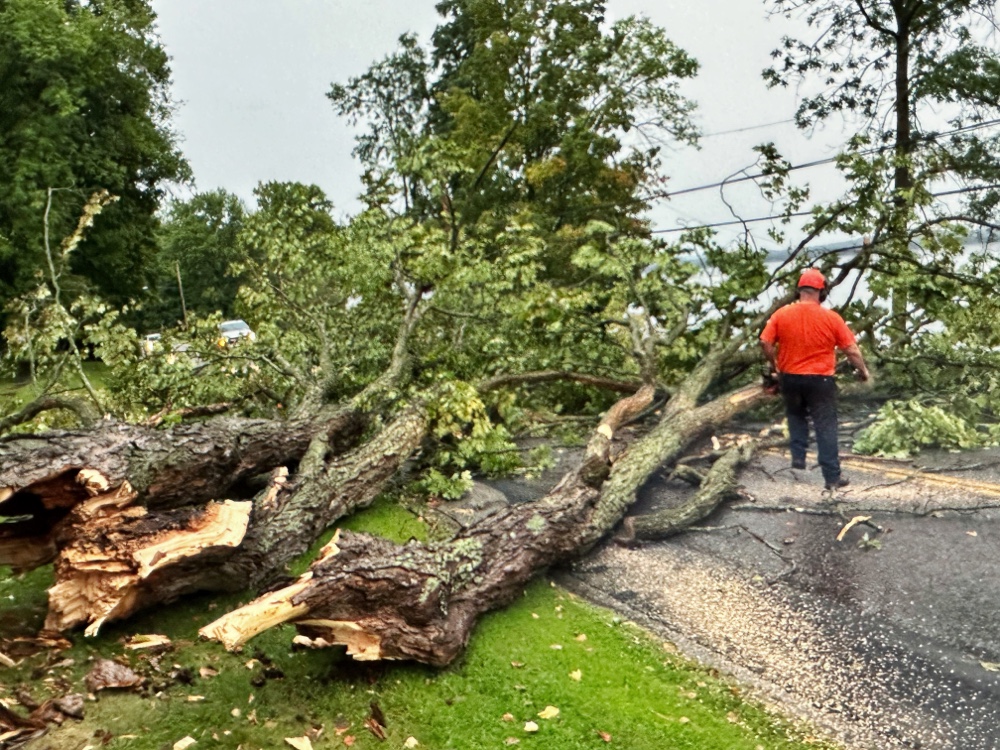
[420, 601]
[717, 486]
[187, 464]
[872, 23]
[116, 558]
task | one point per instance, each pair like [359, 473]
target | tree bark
[167, 468]
[718, 485]
[552, 376]
[420, 601]
[44, 477]
[116, 557]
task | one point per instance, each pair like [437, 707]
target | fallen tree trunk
[116, 557]
[189, 463]
[420, 601]
[116, 554]
[44, 477]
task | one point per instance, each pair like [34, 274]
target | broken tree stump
[44, 477]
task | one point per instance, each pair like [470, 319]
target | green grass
[519, 661]
[15, 393]
[22, 602]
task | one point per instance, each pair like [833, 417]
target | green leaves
[83, 105]
[198, 242]
[521, 104]
[905, 428]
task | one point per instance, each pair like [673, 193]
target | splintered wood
[236, 628]
[99, 572]
[265, 612]
[49, 500]
[361, 644]
[94, 482]
[222, 525]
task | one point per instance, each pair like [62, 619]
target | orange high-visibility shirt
[807, 335]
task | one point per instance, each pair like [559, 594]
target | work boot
[798, 463]
[839, 482]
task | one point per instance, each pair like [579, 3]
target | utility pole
[180, 288]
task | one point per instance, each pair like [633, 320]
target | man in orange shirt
[800, 341]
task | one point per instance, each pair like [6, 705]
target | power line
[958, 191]
[758, 219]
[828, 160]
[731, 223]
[747, 177]
[749, 127]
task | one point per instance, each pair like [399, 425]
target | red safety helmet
[812, 278]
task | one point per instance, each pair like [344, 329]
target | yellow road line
[877, 466]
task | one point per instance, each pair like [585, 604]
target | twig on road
[792, 566]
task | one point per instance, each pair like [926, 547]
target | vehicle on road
[153, 343]
[232, 331]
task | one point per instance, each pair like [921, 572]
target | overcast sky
[250, 77]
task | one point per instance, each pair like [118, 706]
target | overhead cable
[758, 219]
[749, 127]
[828, 160]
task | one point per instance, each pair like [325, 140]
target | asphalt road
[889, 641]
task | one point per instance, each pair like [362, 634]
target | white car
[231, 331]
[153, 343]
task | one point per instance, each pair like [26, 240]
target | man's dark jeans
[813, 396]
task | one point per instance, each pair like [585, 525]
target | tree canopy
[908, 68]
[522, 106]
[524, 141]
[84, 105]
[510, 162]
[197, 244]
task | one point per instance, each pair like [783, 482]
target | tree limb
[718, 485]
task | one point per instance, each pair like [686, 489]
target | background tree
[895, 57]
[522, 104]
[557, 109]
[525, 133]
[84, 105]
[197, 240]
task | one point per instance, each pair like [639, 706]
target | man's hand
[858, 362]
[770, 380]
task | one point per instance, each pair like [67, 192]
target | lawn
[16, 393]
[584, 678]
